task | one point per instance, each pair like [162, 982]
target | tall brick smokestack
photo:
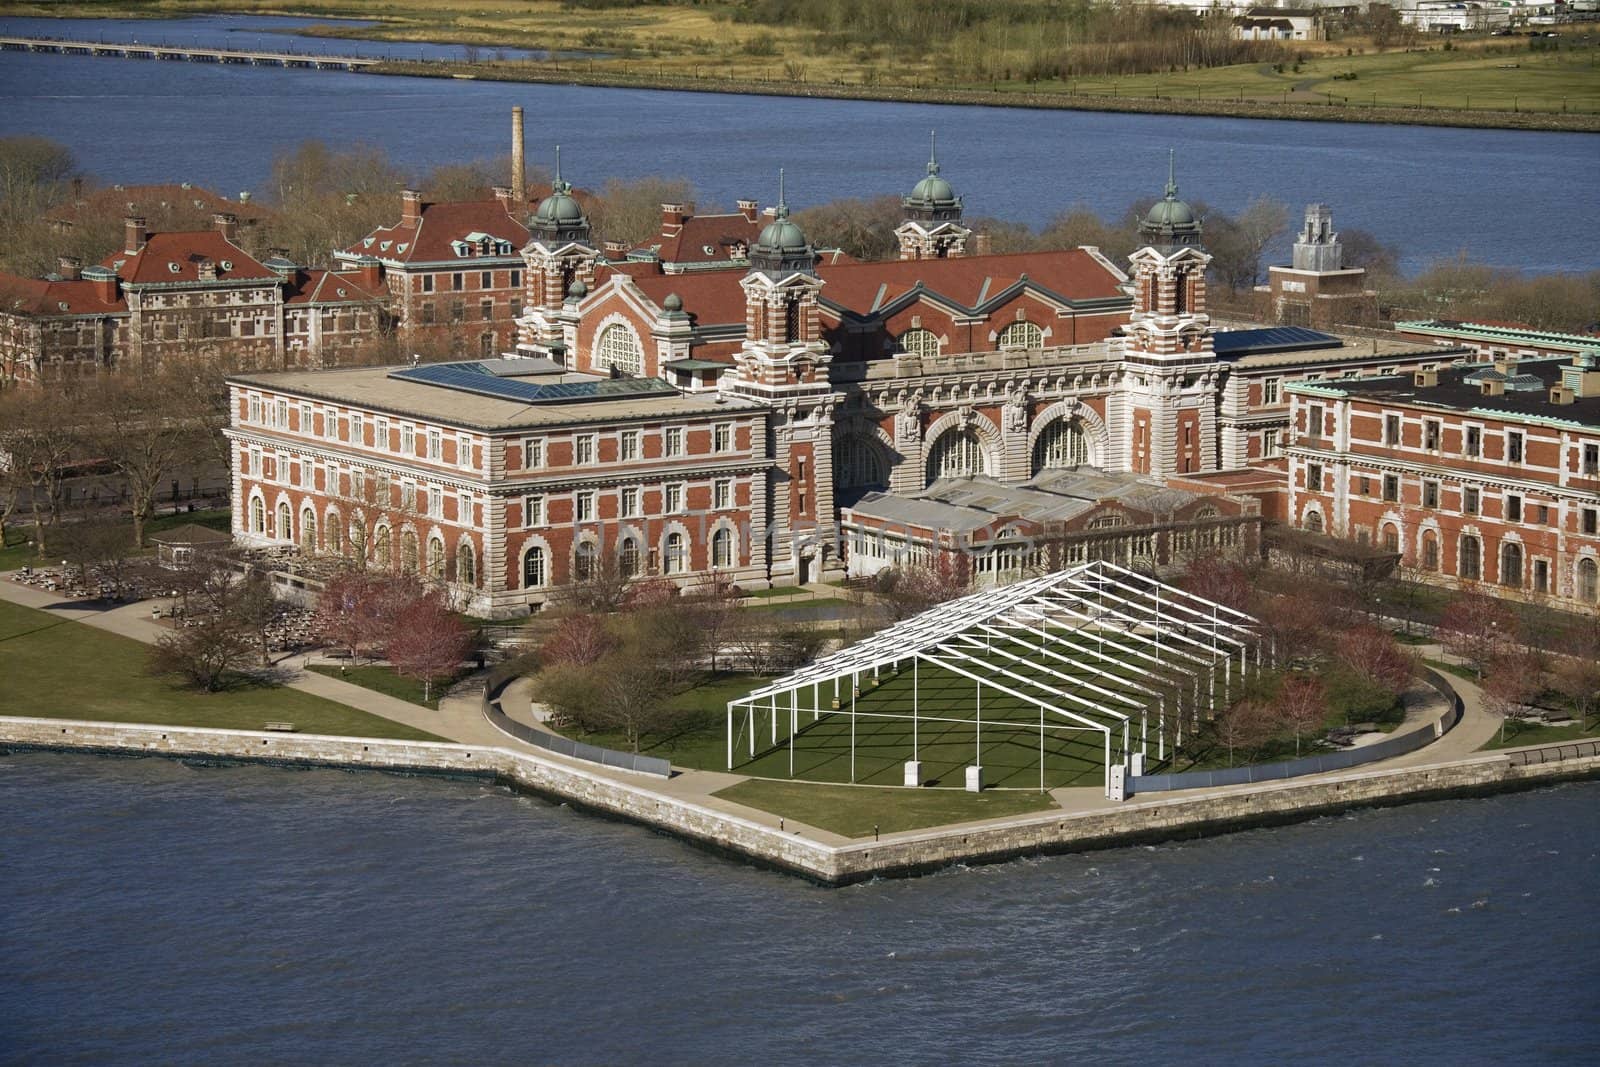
[519, 174]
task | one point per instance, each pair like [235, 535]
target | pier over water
[187, 53]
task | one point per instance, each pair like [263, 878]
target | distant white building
[1279, 24]
[1451, 16]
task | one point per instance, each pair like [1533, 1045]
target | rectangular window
[1430, 434]
[672, 441]
[435, 502]
[630, 503]
[583, 449]
[380, 434]
[1544, 515]
[1541, 576]
[1269, 390]
[435, 444]
[255, 463]
[1272, 443]
[1363, 486]
[458, 281]
[671, 499]
[1430, 494]
[722, 437]
[1472, 441]
[358, 428]
[1391, 488]
[408, 496]
[427, 313]
[464, 509]
[305, 418]
[486, 310]
[463, 451]
[1469, 501]
[1314, 477]
[1513, 508]
[533, 453]
[486, 280]
[1391, 430]
[1513, 446]
[1314, 421]
[583, 510]
[408, 440]
[282, 409]
[330, 423]
[253, 406]
[427, 283]
[1591, 460]
[458, 311]
[628, 446]
[516, 278]
[1591, 520]
[722, 494]
[516, 307]
[533, 511]
[380, 490]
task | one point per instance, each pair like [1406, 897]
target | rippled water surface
[158, 912]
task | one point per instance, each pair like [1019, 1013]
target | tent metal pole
[730, 735]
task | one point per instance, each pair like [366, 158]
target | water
[1511, 198]
[161, 912]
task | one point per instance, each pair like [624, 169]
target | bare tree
[1302, 705]
[145, 426]
[1476, 628]
[41, 436]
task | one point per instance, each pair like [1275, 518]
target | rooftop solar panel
[475, 378]
[1235, 343]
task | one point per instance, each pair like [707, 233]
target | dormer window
[174, 268]
[227, 264]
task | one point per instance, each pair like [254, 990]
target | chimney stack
[616, 249]
[502, 193]
[410, 207]
[133, 234]
[673, 216]
[749, 209]
[982, 245]
[227, 225]
[519, 170]
[207, 270]
[70, 268]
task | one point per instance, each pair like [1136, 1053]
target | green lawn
[1519, 732]
[382, 679]
[59, 669]
[700, 740]
[854, 810]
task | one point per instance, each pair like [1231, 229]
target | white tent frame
[1164, 641]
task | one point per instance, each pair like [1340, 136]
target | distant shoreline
[555, 74]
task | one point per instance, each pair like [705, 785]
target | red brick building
[1477, 475]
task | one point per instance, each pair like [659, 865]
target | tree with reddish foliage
[1248, 725]
[1476, 628]
[906, 591]
[1375, 657]
[428, 641]
[576, 639]
[358, 609]
[1219, 579]
[1301, 706]
[1298, 621]
[1514, 677]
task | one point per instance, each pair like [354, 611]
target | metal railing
[501, 677]
[1524, 757]
[1329, 761]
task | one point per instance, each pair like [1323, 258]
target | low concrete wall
[1046, 832]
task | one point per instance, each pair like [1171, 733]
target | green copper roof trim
[1304, 388]
[1504, 333]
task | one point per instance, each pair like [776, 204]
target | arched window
[858, 464]
[617, 347]
[408, 551]
[722, 548]
[1588, 580]
[486, 346]
[1021, 335]
[585, 561]
[957, 454]
[436, 558]
[381, 554]
[258, 516]
[333, 534]
[1391, 537]
[1314, 522]
[533, 568]
[919, 342]
[1062, 446]
[1511, 564]
[285, 530]
[1471, 563]
[675, 560]
[466, 563]
[1430, 551]
[628, 557]
[308, 531]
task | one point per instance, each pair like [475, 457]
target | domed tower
[561, 264]
[784, 363]
[1168, 359]
[932, 228]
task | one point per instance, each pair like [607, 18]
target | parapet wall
[1171, 817]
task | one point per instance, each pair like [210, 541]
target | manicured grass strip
[381, 679]
[853, 811]
[700, 741]
[58, 669]
[1519, 733]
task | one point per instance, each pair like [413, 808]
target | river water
[160, 912]
[1511, 198]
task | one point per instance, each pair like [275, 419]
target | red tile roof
[969, 281]
[176, 257]
[43, 298]
[718, 233]
[714, 298]
[327, 287]
[123, 200]
[429, 240]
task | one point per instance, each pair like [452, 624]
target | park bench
[280, 727]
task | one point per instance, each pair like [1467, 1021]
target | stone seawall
[1167, 818]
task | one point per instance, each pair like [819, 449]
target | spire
[560, 217]
[933, 152]
[1170, 222]
[783, 205]
[1172, 174]
[559, 186]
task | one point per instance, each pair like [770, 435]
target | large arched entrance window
[1430, 551]
[285, 530]
[628, 556]
[308, 531]
[722, 548]
[919, 342]
[436, 558]
[1470, 564]
[1021, 335]
[533, 568]
[618, 348]
[1511, 564]
[1390, 537]
[1588, 581]
[1313, 522]
[585, 561]
[675, 560]
[858, 463]
[957, 454]
[1062, 446]
[258, 516]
